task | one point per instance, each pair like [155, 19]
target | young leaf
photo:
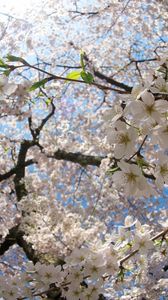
[1, 61]
[48, 101]
[87, 77]
[38, 84]
[74, 75]
[3, 65]
[82, 60]
[7, 72]
[113, 170]
[13, 58]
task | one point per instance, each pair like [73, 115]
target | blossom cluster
[92, 269]
[13, 98]
[52, 229]
[94, 262]
[138, 137]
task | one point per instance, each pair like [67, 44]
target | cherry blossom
[123, 138]
[161, 170]
[131, 178]
[83, 151]
[148, 109]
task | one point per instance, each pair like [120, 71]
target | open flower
[160, 86]
[124, 139]
[142, 242]
[148, 109]
[160, 135]
[78, 256]
[161, 170]
[6, 87]
[129, 222]
[130, 177]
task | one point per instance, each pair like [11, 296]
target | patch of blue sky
[152, 204]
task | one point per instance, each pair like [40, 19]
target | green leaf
[158, 243]
[113, 170]
[13, 58]
[82, 60]
[1, 61]
[48, 101]
[141, 162]
[3, 65]
[87, 77]
[38, 84]
[7, 72]
[40, 94]
[6, 150]
[121, 275]
[74, 75]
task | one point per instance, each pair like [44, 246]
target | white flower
[142, 242]
[124, 139]
[92, 292]
[129, 222]
[142, 228]
[97, 257]
[93, 271]
[137, 90]
[160, 86]
[142, 262]
[130, 177]
[48, 273]
[75, 275]
[78, 256]
[11, 293]
[113, 114]
[164, 224]
[164, 60]
[6, 87]
[111, 260]
[123, 236]
[160, 136]
[3, 83]
[161, 170]
[148, 109]
[22, 90]
[73, 293]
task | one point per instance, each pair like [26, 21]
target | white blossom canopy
[84, 150]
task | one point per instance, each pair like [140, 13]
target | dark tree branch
[108, 79]
[82, 159]
[44, 121]
[16, 169]
[68, 67]
[79, 158]
[27, 248]
[81, 13]
[113, 81]
[9, 241]
[85, 160]
[36, 132]
[56, 77]
[15, 236]
[20, 169]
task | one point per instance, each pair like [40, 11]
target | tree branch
[160, 234]
[16, 169]
[112, 81]
[56, 77]
[15, 236]
[20, 169]
[79, 158]
[108, 79]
